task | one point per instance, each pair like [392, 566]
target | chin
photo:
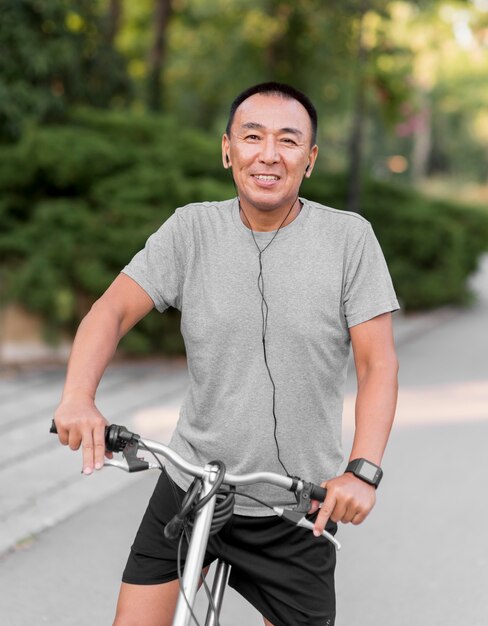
[266, 203]
[263, 206]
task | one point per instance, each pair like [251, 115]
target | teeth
[262, 177]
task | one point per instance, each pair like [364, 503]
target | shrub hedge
[78, 200]
[431, 246]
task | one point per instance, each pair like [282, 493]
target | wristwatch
[365, 470]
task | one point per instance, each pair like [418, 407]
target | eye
[252, 137]
[289, 141]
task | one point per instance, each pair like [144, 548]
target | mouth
[266, 177]
[265, 181]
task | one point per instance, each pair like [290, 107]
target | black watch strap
[365, 470]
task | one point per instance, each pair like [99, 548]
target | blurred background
[111, 114]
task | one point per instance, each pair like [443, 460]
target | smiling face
[269, 150]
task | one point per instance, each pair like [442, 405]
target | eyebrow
[256, 126]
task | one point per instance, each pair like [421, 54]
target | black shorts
[282, 570]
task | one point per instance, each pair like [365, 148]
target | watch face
[368, 470]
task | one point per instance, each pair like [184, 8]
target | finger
[74, 439]
[324, 514]
[349, 514]
[87, 445]
[340, 512]
[99, 445]
[359, 518]
[63, 434]
[314, 506]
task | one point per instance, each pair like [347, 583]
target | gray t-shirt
[323, 273]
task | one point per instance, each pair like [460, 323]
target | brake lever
[298, 519]
[130, 453]
[123, 465]
[306, 492]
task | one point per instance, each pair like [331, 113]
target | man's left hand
[349, 499]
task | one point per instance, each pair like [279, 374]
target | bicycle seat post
[196, 551]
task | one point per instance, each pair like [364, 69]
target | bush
[431, 246]
[77, 201]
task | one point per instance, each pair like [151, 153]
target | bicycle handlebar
[117, 438]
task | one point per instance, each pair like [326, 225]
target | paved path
[421, 559]
[40, 481]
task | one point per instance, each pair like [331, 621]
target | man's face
[269, 151]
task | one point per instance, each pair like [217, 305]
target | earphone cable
[264, 315]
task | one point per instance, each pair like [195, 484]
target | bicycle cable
[163, 469]
[180, 579]
[191, 504]
[222, 513]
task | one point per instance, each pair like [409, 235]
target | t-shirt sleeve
[159, 267]
[368, 289]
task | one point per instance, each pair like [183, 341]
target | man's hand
[79, 422]
[77, 419]
[349, 499]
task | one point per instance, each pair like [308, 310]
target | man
[273, 289]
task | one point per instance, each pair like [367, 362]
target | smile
[266, 177]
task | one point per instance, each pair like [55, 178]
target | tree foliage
[54, 53]
[78, 200]
[87, 171]
[389, 77]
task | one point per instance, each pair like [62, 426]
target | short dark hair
[279, 89]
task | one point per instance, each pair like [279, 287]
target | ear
[225, 151]
[312, 157]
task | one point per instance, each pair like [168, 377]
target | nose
[269, 151]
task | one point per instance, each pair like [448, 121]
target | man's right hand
[77, 419]
[79, 422]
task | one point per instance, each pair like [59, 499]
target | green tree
[439, 122]
[52, 54]
[157, 54]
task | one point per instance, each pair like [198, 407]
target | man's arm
[78, 421]
[349, 499]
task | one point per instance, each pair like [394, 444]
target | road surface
[420, 559]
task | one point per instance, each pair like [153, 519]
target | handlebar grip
[116, 437]
[318, 493]
[54, 431]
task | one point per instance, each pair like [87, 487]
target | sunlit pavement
[421, 558]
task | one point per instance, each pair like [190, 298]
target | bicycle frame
[119, 439]
[200, 532]
[194, 562]
[201, 528]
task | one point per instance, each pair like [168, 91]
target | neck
[268, 220]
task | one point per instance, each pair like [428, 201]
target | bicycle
[205, 503]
